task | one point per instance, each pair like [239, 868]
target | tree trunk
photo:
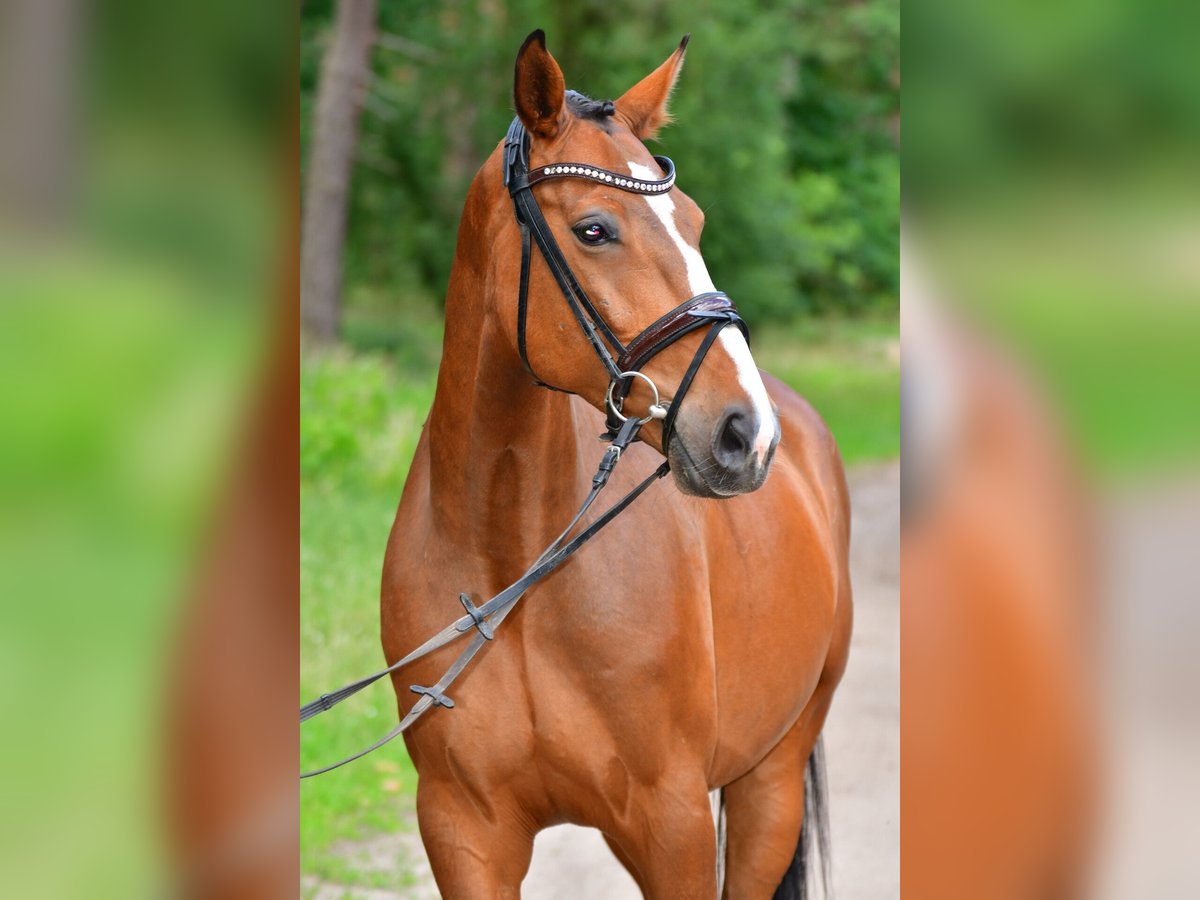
[39, 114]
[345, 74]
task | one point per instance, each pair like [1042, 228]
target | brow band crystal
[604, 176]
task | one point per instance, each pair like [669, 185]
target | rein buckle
[439, 699]
[485, 627]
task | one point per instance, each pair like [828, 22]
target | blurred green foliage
[1050, 155]
[118, 391]
[359, 422]
[1086, 89]
[784, 134]
[131, 331]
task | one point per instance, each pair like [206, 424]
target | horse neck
[505, 465]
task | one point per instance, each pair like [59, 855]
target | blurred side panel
[1051, 307]
[998, 626]
[148, 623]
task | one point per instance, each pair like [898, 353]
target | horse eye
[592, 233]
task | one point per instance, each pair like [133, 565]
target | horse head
[631, 238]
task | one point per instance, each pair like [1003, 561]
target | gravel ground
[862, 749]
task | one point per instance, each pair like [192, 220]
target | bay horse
[697, 644]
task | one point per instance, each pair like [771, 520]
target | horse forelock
[598, 111]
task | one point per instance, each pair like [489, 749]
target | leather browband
[607, 177]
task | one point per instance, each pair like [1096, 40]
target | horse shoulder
[811, 449]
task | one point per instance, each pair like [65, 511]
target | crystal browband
[604, 176]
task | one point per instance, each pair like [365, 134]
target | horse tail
[809, 870]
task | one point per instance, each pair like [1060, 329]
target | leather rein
[713, 310]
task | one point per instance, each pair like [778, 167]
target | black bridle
[623, 364]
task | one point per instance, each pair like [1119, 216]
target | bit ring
[608, 397]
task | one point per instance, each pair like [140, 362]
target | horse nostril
[734, 438]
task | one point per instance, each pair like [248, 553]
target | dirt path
[862, 748]
[862, 736]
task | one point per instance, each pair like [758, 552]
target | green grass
[342, 538]
[361, 414]
[849, 369]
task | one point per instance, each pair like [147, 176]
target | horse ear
[538, 88]
[644, 106]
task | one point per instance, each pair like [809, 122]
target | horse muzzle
[725, 459]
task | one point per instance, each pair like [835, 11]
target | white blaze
[731, 339]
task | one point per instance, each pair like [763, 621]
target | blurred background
[144, 248]
[1051, 450]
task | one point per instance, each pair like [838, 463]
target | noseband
[713, 310]
[623, 363]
